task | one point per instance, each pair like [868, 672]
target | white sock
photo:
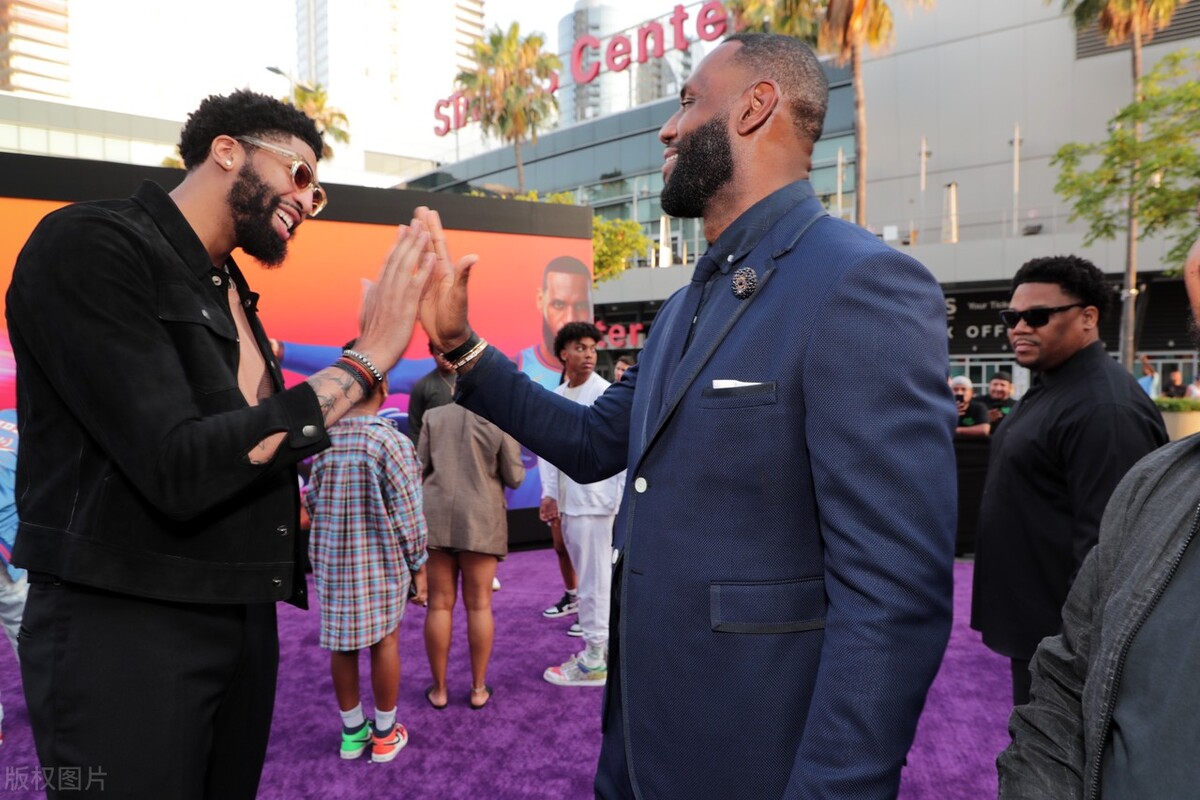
[593, 656]
[353, 719]
[573, 592]
[384, 720]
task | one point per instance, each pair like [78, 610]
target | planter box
[1181, 423]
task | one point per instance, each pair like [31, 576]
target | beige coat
[466, 462]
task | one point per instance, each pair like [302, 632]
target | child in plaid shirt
[367, 548]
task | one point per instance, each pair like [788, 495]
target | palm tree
[842, 27]
[1135, 21]
[330, 121]
[509, 91]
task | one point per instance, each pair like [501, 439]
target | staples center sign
[711, 23]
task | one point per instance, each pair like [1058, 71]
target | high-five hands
[444, 304]
[391, 306]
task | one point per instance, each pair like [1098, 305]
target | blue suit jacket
[785, 587]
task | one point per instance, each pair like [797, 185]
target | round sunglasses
[302, 174]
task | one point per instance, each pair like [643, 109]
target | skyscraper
[34, 47]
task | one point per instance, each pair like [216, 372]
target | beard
[703, 164]
[253, 206]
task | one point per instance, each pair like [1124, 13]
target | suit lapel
[721, 313]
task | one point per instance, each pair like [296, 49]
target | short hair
[566, 264]
[243, 113]
[795, 67]
[1002, 376]
[574, 332]
[962, 380]
[628, 361]
[1077, 276]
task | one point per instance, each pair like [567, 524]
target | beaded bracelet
[366, 362]
[357, 373]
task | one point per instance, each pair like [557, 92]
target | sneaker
[354, 742]
[386, 746]
[495, 584]
[575, 630]
[569, 604]
[576, 673]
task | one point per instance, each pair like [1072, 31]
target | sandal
[474, 691]
[429, 697]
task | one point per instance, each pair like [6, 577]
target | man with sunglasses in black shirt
[1060, 453]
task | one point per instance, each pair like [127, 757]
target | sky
[157, 59]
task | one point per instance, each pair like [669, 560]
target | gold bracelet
[471, 355]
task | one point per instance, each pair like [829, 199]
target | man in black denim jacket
[157, 487]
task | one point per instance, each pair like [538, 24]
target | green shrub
[1177, 404]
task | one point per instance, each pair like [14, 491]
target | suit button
[616, 555]
[308, 431]
[282, 530]
[640, 485]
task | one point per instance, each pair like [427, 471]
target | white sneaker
[576, 673]
[495, 584]
[574, 630]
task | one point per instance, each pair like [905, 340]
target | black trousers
[138, 698]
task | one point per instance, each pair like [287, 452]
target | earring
[229, 162]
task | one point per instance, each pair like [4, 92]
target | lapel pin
[745, 281]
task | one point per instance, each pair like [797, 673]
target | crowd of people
[763, 582]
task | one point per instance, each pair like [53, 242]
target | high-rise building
[372, 59]
[34, 47]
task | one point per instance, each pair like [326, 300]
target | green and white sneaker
[355, 742]
[576, 673]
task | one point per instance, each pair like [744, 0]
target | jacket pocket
[759, 394]
[768, 607]
[203, 335]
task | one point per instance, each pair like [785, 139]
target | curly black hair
[242, 113]
[574, 332]
[1077, 276]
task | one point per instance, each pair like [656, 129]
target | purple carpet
[534, 740]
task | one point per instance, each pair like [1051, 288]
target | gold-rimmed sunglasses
[302, 174]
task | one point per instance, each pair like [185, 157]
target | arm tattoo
[333, 388]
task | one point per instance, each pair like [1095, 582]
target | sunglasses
[1034, 317]
[302, 174]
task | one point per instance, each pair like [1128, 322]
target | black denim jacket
[133, 474]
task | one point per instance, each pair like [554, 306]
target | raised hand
[390, 307]
[444, 304]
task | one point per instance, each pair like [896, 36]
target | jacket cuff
[305, 424]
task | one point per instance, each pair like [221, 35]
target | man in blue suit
[782, 595]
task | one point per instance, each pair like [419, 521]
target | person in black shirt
[1174, 387]
[1000, 400]
[435, 389]
[1056, 460]
[972, 413]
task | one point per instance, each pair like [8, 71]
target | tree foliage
[510, 89]
[331, 122]
[1161, 169]
[614, 242]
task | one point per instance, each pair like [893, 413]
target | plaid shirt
[368, 531]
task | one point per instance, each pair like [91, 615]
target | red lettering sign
[616, 57]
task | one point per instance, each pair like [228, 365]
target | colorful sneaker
[575, 630]
[386, 746]
[569, 604]
[354, 742]
[576, 673]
